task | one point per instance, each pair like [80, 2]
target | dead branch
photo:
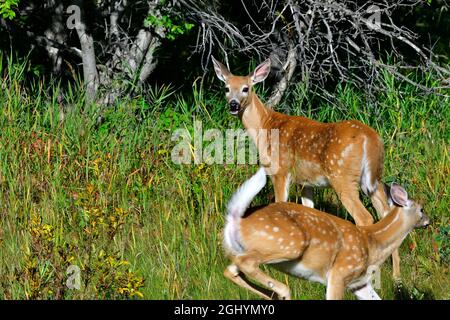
[318, 40]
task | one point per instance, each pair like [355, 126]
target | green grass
[99, 190]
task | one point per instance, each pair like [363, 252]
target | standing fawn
[344, 155]
[311, 244]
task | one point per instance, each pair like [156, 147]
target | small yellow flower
[90, 188]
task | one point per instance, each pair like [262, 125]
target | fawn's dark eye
[227, 89]
[245, 89]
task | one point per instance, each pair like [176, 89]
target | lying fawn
[308, 243]
[344, 155]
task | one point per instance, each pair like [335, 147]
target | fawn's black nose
[425, 221]
[234, 107]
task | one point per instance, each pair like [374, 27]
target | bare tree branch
[328, 40]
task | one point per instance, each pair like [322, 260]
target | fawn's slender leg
[335, 286]
[281, 186]
[366, 293]
[349, 195]
[250, 267]
[307, 196]
[396, 265]
[232, 273]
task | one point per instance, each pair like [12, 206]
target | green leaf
[7, 8]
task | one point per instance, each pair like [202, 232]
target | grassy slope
[100, 194]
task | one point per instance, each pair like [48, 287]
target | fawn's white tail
[238, 205]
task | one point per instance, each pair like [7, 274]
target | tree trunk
[288, 68]
[90, 73]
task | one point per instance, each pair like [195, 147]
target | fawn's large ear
[221, 71]
[261, 72]
[399, 195]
